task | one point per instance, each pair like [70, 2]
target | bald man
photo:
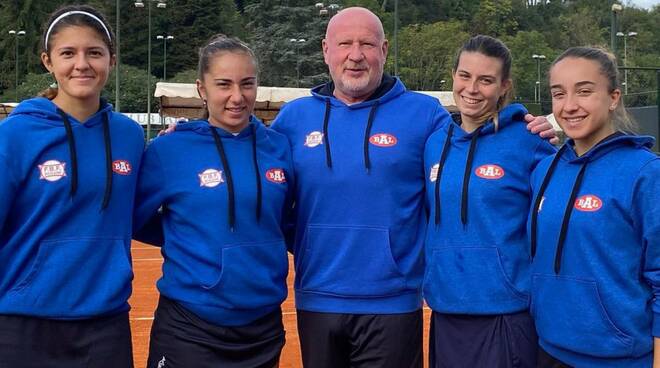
[357, 146]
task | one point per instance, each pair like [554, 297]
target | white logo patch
[52, 170]
[210, 178]
[433, 176]
[161, 363]
[313, 139]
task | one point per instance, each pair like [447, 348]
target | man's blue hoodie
[225, 198]
[595, 239]
[477, 257]
[67, 190]
[359, 198]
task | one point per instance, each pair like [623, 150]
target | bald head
[356, 16]
[355, 50]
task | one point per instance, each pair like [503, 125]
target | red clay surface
[147, 268]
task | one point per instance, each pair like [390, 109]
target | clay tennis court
[147, 267]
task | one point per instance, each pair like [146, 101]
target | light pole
[625, 57]
[16, 35]
[616, 8]
[538, 59]
[140, 4]
[164, 38]
[297, 42]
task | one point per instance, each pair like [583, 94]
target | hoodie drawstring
[326, 139]
[567, 217]
[441, 164]
[74, 157]
[367, 133]
[108, 162]
[72, 152]
[539, 198]
[230, 182]
[466, 175]
[257, 173]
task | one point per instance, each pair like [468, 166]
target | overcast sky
[643, 3]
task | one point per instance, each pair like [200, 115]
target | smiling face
[582, 101]
[355, 50]
[229, 88]
[477, 86]
[80, 61]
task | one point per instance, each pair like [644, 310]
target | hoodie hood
[609, 143]
[43, 110]
[389, 88]
[203, 127]
[509, 115]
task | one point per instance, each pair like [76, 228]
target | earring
[204, 103]
[54, 84]
[613, 107]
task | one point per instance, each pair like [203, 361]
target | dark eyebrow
[584, 83]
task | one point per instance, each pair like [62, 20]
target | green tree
[495, 18]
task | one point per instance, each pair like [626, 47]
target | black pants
[472, 341]
[548, 361]
[180, 339]
[29, 342]
[330, 340]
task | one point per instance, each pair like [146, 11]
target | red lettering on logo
[383, 140]
[489, 171]
[276, 176]
[122, 167]
[588, 203]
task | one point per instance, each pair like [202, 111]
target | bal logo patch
[489, 171]
[210, 178]
[433, 176]
[383, 140]
[52, 170]
[276, 176]
[313, 139]
[588, 203]
[122, 167]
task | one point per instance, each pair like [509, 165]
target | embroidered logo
[383, 140]
[489, 171]
[161, 362]
[313, 139]
[433, 176]
[52, 170]
[276, 176]
[210, 178]
[122, 167]
[588, 203]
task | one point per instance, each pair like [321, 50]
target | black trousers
[29, 342]
[475, 341]
[180, 339]
[330, 340]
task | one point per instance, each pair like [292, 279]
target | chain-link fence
[640, 86]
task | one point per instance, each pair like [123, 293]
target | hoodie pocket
[252, 276]
[468, 275]
[77, 277]
[349, 261]
[570, 314]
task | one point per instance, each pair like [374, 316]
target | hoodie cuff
[656, 325]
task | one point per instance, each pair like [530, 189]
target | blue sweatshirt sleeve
[646, 215]
[8, 188]
[440, 118]
[151, 194]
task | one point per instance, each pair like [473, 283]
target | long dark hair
[74, 20]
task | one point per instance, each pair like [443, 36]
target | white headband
[107, 33]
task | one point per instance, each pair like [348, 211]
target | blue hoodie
[65, 214]
[596, 268]
[225, 258]
[477, 259]
[359, 198]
